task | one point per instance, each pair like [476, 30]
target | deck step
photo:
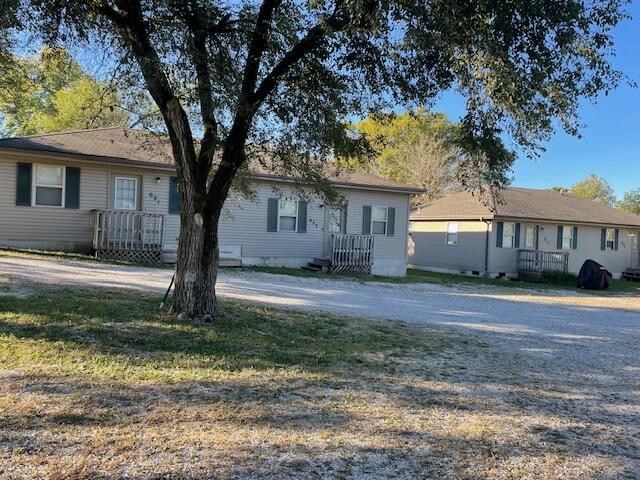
[632, 274]
[325, 262]
[313, 268]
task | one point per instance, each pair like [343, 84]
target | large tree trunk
[197, 262]
[196, 271]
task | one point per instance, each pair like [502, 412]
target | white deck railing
[127, 231]
[351, 253]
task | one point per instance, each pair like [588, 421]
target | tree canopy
[52, 93]
[287, 75]
[417, 147]
[631, 202]
[594, 188]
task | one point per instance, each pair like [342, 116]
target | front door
[531, 237]
[635, 249]
[335, 221]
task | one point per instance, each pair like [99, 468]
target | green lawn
[100, 384]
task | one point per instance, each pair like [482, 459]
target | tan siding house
[119, 170]
[472, 234]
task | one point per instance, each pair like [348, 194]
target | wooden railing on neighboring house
[128, 235]
[531, 263]
[351, 253]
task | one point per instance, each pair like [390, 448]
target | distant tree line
[597, 188]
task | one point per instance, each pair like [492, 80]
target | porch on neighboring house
[347, 254]
[132, 236]
[533, 263]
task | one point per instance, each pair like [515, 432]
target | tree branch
[129, 19]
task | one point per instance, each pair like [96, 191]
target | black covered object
[593, 276]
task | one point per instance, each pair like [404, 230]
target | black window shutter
[23, 184]
[603, 239]
[272, 215]
[72, 187]
[174, 195]
[575, 238]
[302, 216]
[343, 223]
[499, 234]
[391, 221]
[616, 238]
[516, 240]
[560, 234]
[366, 219]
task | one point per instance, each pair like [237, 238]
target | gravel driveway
[560, 356]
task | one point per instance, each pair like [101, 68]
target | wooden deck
[128, 235]
[632, 274]
[352, 253]
[532, 263]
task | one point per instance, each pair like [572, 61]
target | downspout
[486, 247]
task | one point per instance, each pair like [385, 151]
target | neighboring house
[69, 191]
[477, 235]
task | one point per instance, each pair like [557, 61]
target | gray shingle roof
[524, 203]
[143, 148]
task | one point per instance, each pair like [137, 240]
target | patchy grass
[423, 276]
[98, 384]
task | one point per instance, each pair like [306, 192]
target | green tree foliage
[631, 202]
[52, 93]
[288, 74]
[419, 148]
[594, 188]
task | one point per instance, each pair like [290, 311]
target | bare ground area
[465, 383]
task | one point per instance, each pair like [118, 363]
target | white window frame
[340, 212]
[386, 221]
[613, 239]
[567, 233]
[453, 243]
[34, 185]
[115, 193]
[295, 227]
[532, 237]
[512, 243]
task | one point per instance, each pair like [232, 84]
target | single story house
[498, 233]
[114, 189]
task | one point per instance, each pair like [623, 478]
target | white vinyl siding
[452, 233]
[48, 185]
[379, 220]
[125, 193]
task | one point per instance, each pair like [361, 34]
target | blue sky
[610, 143]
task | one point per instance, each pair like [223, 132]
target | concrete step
[313, 268]
[325, 262]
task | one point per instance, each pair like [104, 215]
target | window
[379, 220]
[530, 239]
[610, 239]
[48, 183]
[452, 233]
[334, 220]
[508, 235]
[567, 237]
[287, 215]
[126, 193]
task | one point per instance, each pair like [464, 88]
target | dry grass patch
[99, 385]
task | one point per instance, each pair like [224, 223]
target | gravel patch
[567, 364]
